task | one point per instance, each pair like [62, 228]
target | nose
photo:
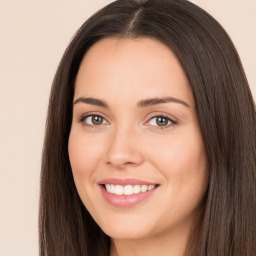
[124, 149]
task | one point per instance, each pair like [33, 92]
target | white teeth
[128, 189]
[119, 190]
[136, 189]
[108, 187]
[151, 187]
[112, 189]
[144, 188]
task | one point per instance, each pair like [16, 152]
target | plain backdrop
[33, 36]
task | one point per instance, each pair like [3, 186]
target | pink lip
[123, 182]
[125, 201]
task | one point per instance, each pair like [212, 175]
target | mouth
[127, 192]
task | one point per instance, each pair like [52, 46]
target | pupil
[97, 120]
[161, 121]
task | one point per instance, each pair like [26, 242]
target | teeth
[119, 190]
[144, 188]
[108, 187]
[151, 187]
[112, 189]
[128, 189]
[136, 189]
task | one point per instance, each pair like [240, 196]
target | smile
[128, 189]
[126, 192]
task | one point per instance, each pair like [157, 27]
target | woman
[150, 138]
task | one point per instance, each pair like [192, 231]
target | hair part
[226, 225]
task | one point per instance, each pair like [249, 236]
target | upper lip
[123, 182]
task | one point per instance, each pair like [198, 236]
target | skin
[129, 143]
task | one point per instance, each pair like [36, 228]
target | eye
[161, 121]
[93, 120]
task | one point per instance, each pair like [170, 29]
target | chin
[126, 234]
[126, 230]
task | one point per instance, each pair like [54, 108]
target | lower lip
[126, 201]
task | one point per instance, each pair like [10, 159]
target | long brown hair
[226, 113]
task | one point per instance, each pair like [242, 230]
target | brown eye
[93, 120]
[162, 121]
[97, 120]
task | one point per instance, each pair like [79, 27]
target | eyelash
[164, 116]
[156, 115]
[83, 117]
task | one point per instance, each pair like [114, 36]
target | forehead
[134, 68]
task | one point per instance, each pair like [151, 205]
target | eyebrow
[142, 103]
[156, 101]
[91, 101]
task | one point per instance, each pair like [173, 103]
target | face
[135, 146]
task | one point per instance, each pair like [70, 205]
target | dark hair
[226, 112]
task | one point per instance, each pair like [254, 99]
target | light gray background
[33, 36]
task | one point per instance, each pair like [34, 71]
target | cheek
[180, 152]
[182, 161]
[84, 154]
